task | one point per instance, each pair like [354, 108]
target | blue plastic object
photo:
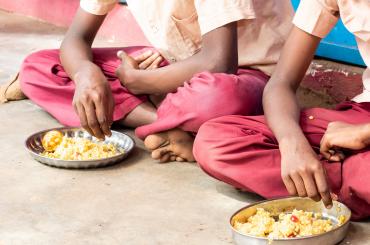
[339, 45]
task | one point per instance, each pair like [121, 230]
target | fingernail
[119, 54]
[329, 206]
[334, 196]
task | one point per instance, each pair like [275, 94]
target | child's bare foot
[172, 145]
[11, 90]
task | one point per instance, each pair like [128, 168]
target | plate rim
[126, 153]
[286, 239]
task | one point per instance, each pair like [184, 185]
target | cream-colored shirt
[175, 27]
[318, 17]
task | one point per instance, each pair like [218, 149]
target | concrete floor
[135, 202]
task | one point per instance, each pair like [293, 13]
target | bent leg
[45, 82]
[204, 97]
[207, 96]
[243, 152]
[355, 191]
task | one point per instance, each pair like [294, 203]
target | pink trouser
[243, 152]
[205, 96]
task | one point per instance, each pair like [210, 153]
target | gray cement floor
[135, 202]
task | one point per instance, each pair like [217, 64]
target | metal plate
[34, 147]
[277, 206]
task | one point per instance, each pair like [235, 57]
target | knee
[212, 143]
[40, 60]
[204, 148]
[35, 63]
[223, 94]
[42, 56]
[215, 88]
[220, 147]
[218, 141]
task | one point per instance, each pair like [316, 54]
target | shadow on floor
[236, 194]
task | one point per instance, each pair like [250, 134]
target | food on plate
[299, 223]
[62, 147]
[51, 140]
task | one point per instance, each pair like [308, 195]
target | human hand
[148, 60]
[131, 76]
[340, 135]
[303, 173]
[93, 101]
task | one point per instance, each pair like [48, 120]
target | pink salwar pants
[204, 97]
[243, 152]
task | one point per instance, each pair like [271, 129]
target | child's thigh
[220, 94]
[355, 184]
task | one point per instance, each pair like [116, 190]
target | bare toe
[160, 152]
[180, 159]
[155, 141]
[165, 158]
[176, 143]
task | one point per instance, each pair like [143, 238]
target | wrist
[291, 141]
[87, 71]
[133, 75]
[127, 75]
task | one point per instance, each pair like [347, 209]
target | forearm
[282, 113]
[301, 170]
[75, 51]
[279, 99]
[219, 53]
[169, 78]
[76, 55]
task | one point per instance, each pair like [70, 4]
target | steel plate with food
[291, 220]
[75, 148]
